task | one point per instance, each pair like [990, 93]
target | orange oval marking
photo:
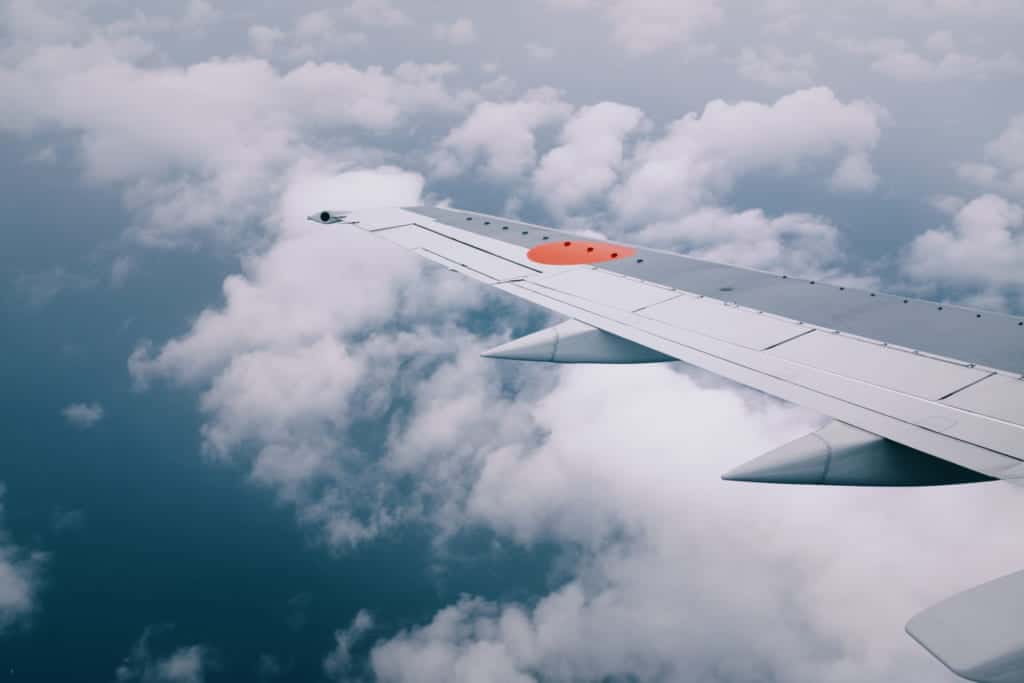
[577, 252]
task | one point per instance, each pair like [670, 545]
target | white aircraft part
[1000, 396]
[977, 633]
[444, 250]
[575, 342]
[724, 321]
[923, 392]
[899, 417]
[607, 288]
[843, 455]
[880, 365]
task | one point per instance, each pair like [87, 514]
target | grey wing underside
[919, 393]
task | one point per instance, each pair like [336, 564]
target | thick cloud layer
[344, 375]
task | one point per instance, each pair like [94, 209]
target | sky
[237, 445]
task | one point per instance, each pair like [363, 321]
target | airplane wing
[920, 393]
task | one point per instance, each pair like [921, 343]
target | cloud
[264, 39]
[202, 148]
[700, 156]
[500, 135]
[459, 32]
[982, 252]
[642, 27]
[589, 156]
[794, 243]
[182, 665]
[83, 415]
[540, 53]
[773, 67]
[318, 353]
[682, 576]
[895, 58]
[376, 13]
[338, 663]
[43, 287]
[20, 578]
[1003, 169]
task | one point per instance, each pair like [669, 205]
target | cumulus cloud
[376, 13]
[203, 147]
[897, 59]
[182, 665]
[642, 27]
[538, 52]
[459, 32]
[500, 136]
[20, 578]
[1003, 168]
[83, 415]
[773, 67]
[982, 252]
[794, 243]
[339, 661]
[264, 39]
[318, 353]
[684, 576]
[589, 156]
[701, 155]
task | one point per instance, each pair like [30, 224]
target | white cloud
[773, 67]
[589, 157]
[794, 243]
[1003, 169]
[20, 578]
[940, 41]
[701, 155]
[895, 58]
[854, 174]
[202, 147]
[540, 53]
[982, 251]
[645, 26]
[684, 576]
[339, 661]
[41, 288]
[376, 13]
[83, 415]
[459, 32]
[293, 388]
[264, 39]
[183, 665]
[500, 135]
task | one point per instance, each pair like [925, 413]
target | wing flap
[880, 365]
[875, 409]
[449, 252]
[726, 322]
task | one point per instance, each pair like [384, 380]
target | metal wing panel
[899, 417]
[726, 322]
[991, 339]
[446, 251]
[886, 391]
[880, 365]
[1000, 396]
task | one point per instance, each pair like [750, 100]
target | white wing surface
[920, 393]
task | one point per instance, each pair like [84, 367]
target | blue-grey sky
[241, 446]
